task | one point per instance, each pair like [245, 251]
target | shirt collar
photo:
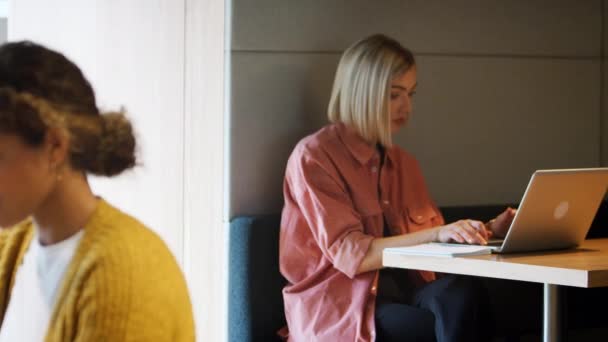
[357, 146]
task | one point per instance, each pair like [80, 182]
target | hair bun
[103, 145]
[116, 151]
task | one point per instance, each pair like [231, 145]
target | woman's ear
[57, 145]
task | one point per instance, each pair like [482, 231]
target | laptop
[556, 210]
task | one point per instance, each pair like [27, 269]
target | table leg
[551, 322]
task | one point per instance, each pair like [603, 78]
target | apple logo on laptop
[561, 210]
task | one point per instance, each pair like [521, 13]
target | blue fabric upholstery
[255, 303]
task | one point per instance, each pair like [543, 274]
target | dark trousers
[452, 308]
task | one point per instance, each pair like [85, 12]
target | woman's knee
[453, 293]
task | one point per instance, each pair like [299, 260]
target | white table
[586, 266]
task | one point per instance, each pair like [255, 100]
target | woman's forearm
[373, 258]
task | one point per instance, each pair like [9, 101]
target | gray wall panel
[480, 126]
[3, 30]
[537, 27]
[276, 100]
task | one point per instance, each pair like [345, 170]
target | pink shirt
[333, 211]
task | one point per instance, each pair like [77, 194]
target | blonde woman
[350, 193]
[72, 266]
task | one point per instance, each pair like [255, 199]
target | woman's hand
[500, 225]
[464, 231]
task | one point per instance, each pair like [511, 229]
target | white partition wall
[164, 61]
[133, 54]
[205, 247]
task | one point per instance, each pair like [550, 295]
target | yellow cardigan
[122, 284]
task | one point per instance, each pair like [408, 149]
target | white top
[35, 289]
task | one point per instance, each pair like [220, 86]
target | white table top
[586, 266]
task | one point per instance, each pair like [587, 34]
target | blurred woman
[72, 266]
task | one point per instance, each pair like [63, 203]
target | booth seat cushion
[255, 303]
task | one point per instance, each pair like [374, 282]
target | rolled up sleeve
[324, 202]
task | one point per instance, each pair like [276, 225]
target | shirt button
[374, 169]
[419, 217]
[387, 202]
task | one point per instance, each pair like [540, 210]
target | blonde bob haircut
[361, 91]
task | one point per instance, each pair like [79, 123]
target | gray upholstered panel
[481, 125]
[3, 30]
[534, 27]
[276, 100]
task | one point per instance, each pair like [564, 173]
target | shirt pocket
[421, 217]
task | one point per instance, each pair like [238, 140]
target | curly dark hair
[41, 88]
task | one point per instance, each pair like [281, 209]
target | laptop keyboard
[495, 242]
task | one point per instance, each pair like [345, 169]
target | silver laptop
[556, 211]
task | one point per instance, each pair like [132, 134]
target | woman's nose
[407, 105]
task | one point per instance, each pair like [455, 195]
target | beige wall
[505, 87]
